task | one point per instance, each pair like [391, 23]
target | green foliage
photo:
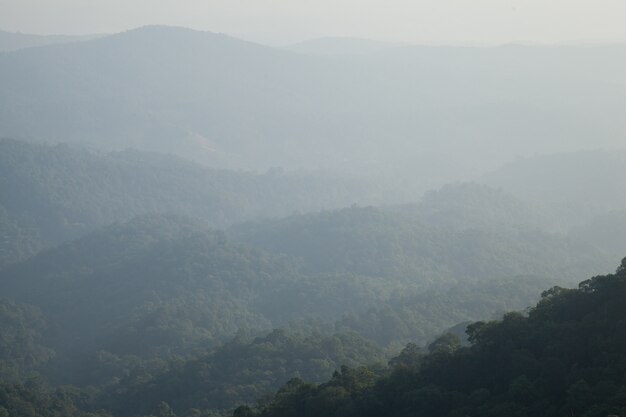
[565, 357]
[141, 314]
[159, 286]
[21, 349]
[239, 371]
[34, 400]
[421, 317]
[163, 285]
[152, 287]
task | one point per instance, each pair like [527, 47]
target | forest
[131, 302]
[197, 225]
[564, 356]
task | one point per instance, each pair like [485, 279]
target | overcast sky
[285, 21]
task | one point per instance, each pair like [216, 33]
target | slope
[13, 41]
[566, 357]
[405, 110]
[424, 244]
[49, 194]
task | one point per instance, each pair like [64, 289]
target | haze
[286, 21]
[375, 209]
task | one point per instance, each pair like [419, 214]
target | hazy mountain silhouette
[232, 103]
[573, 187]
[341, 46]
[12, 41]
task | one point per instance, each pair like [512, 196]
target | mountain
[572, 188]
[470, 205]
[230, 103]
[341, 46]
[239, 371]
[145, 311]
[564, 357]
[409, 247]
[13, 41]
[161, 285]
[136, 84]
[606, 231]
[49, 194]
[154, 286]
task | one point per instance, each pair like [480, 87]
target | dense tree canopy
[157, 314]
[565, 357]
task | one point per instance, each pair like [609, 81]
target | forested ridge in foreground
[565, 357]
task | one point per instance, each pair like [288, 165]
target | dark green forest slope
[566, 357]
[152, 287]
[148, 313]
[240, 370]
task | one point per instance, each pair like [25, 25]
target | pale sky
[286, 21]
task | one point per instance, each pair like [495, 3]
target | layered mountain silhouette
[13, 41]
[232, 103]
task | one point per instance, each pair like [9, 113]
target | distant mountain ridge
[341, 46]
[572, 187]
[13, 41]
[49, 194]
[405, 111]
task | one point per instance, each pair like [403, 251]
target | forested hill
[155, 286]
[240, 370]
[161, 285]
[114, 277]
[566, 357]
[572, 189]
[49, 194]
[461, 245]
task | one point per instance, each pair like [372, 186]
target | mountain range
[406, 112]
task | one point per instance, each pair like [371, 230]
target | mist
[282, 22]
[325, 209]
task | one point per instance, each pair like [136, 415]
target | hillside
[154, 286]
[49, 194]
[161, 285]
[565, 357]
[13, 41]
[240, 370]
[407, 244]
[193, 224]
[340, 46]
[469, 205]
[606, 231]
[571, 188]
[230, 103]
[114, 278]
